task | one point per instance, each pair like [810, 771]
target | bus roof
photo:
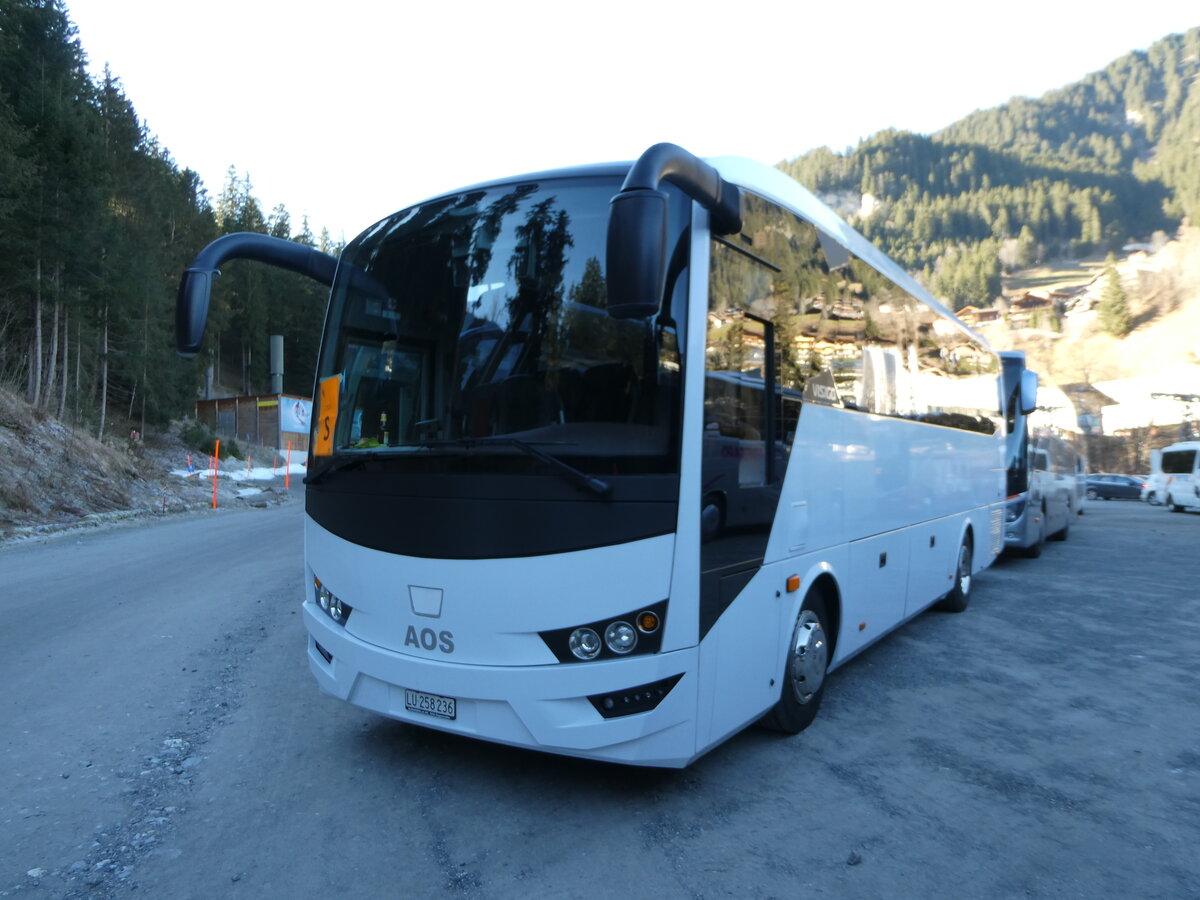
[775, 185]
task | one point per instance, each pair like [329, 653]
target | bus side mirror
[1029, 389]
[636, 257]
[191, 310]
[195, 287]
[636, 270]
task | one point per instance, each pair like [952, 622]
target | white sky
[347, 110]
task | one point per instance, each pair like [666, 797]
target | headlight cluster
[330, 604]
[634, 633]
[1015, 509]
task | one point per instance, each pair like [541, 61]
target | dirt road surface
[162, 738]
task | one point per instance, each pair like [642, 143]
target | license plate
[430, 704]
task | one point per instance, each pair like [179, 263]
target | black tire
[960, 595]
[1175, 507]
[1062, 533]
[1034, 550]
[803, 671]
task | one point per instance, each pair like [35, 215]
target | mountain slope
[1082, 169]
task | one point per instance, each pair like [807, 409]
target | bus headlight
[584, 643]
[633, 633]
[1015, 509]
[323, 596]
[330, 604]
[620, 637]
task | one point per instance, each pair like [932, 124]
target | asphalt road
[162, 738]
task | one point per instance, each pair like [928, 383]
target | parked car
[1107, 486]
[1156, 482]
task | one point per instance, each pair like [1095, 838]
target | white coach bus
[1045, 470]
[615, 461]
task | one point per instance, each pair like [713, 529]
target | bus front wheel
[803, 671]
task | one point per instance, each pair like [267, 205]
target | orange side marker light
[647, 622]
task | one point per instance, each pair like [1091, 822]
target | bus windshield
[474, 326]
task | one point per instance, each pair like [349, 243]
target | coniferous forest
[98, 221]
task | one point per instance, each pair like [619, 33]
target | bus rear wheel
[960, 594]
[1063, 533]
[803, 671]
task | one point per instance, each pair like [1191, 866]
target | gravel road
[163, 738]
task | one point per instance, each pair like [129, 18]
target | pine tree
[1114, 306]
[46, 88]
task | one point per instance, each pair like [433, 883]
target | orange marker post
[216, 464]
[287, 476]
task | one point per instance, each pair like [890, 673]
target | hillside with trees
[98, 221]
[1083, 169]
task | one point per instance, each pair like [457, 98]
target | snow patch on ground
[232, 469]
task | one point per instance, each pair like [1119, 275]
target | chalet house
[1089, 402]
[1031, 309]
[974, 316]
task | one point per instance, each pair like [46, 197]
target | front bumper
[543, 707]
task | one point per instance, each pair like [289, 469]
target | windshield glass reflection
[484, 315]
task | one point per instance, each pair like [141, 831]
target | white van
[1180, 466]
[1152, 490]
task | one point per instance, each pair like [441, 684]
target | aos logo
[428, 639]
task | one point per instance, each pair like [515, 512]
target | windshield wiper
[338, 463]
[573, 475]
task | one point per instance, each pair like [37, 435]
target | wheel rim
[810, 656]
[964, 569]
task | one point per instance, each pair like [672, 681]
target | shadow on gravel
[401, 746]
